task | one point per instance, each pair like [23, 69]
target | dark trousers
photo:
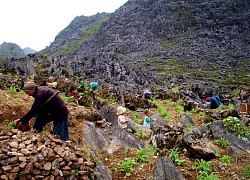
[60, 125]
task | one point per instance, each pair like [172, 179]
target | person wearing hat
[48, 106]
[123, 123]
[147, 119]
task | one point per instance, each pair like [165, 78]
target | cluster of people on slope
[123, 122]
[48, 106]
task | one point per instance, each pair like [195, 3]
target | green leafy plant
[76, 171]
[12, 124]
[163, 112]
[220, 107]
[246, 170]
[225, 159]
[174, 156]
[179, 109]
[231, 106]
[234, 125]
[143, 155]
[127, 166]
[175, 89]
[167, 101]
[12, 89]
[204, 170]
[235, 93]
[222, 142]
[67, 99]
[140, 134]
[136, 118]
[201, 113]
[211, 176]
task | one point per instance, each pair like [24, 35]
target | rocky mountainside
[78, 31]
[9, 50]
[203, 39]
[12, 50]
[153, 41]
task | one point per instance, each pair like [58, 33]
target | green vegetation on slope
[89, 32]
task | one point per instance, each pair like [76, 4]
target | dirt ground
[14, 106]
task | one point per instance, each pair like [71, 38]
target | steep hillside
[153, 41]
[78, 31]
[208, 40]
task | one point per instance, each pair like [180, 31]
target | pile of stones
[42, 156]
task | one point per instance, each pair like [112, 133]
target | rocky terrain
[152, 41]
[181, 142]
[183, 51]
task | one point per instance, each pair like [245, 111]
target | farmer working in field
[75, 94]
[48, 106]
[93, 87]
[214, 102]
[147, 94]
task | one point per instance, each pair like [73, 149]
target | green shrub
[167, 101]
[175, 89]
[136, 118]
[12, 124]
[222, 142]
[140, 134]
[204, 170]
[234, 125]
[174, 156]
[142, 155]
[163, 112]
[246, 170]
[235, 93]
[12, 89]
[67, 99]
[127, 166]
[225, 159]
[179, 109]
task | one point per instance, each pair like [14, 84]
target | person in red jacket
[75, 94]
[48, 106]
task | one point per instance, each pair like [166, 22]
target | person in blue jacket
[214, 102]
[93, 85]
[147, 94]
[147, 119]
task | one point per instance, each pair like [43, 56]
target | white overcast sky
[35, 23]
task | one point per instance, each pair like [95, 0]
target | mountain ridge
[207, 40]
[12, 50]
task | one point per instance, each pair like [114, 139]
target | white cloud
[35, 23]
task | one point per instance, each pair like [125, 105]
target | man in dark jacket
[48, 106]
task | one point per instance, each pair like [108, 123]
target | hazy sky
[35, 23]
